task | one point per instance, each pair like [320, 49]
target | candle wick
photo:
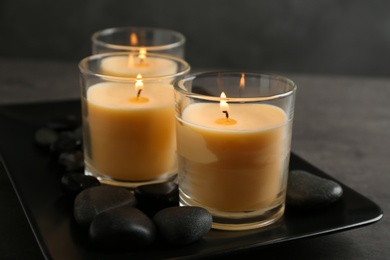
[139, 93]
[226, 113]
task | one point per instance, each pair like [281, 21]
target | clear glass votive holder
[233, 142]
[129, 117]
[139, 39]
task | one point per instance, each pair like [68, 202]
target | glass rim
[179, 86]
[95, 38]
[83, 68]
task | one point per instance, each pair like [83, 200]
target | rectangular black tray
[37, 185]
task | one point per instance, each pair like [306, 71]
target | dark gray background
[350, 37]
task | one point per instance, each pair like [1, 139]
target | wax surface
[235, 167]
[129, 140]
[130, 67]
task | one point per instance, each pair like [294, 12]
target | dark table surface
[342, 126]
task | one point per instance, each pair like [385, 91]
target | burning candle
[132, 133]
[134, 39]
[137, 63]
[234, 162]
[129, 124]
[233, 155]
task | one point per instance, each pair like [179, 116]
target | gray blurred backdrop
[349, 37]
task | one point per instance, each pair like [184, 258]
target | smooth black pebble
[74, 183]
[72, 161]
[67, 141]
[122, 228]
[182, 225]
[90, 202]
[45, 137]
[78, 133]
[308, 191]
[155, 197]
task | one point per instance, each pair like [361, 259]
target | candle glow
[225, 109]
[133, 39]
[139, 87]
[224, 105]
[142, 51]
[142, 54]
[242, 81]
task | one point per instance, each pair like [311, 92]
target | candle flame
[134, 42]
[141, 59]
[142, 54]
[133, 39]
[139, 85]
[224, 105]
[242, 81]
[225, 109]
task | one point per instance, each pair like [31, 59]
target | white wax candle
[233, 167]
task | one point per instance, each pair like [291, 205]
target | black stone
[90, 202]
[74, 183]
[72, 161]
[67, 141]
[155, 197]
[182, 225]
[308, 191]
[122, 228]
[45, 137]
[78, 133]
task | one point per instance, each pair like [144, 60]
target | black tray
[50, 214]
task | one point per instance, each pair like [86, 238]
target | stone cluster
[117, 218]
[111, 216]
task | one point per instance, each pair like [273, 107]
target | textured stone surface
[155, 197]
[123, 228]
[90, 202]
[308, 191]
[73, 183]
[182, 225]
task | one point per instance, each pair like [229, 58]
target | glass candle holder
[139, 39]
[233, 142]
[129, 117]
